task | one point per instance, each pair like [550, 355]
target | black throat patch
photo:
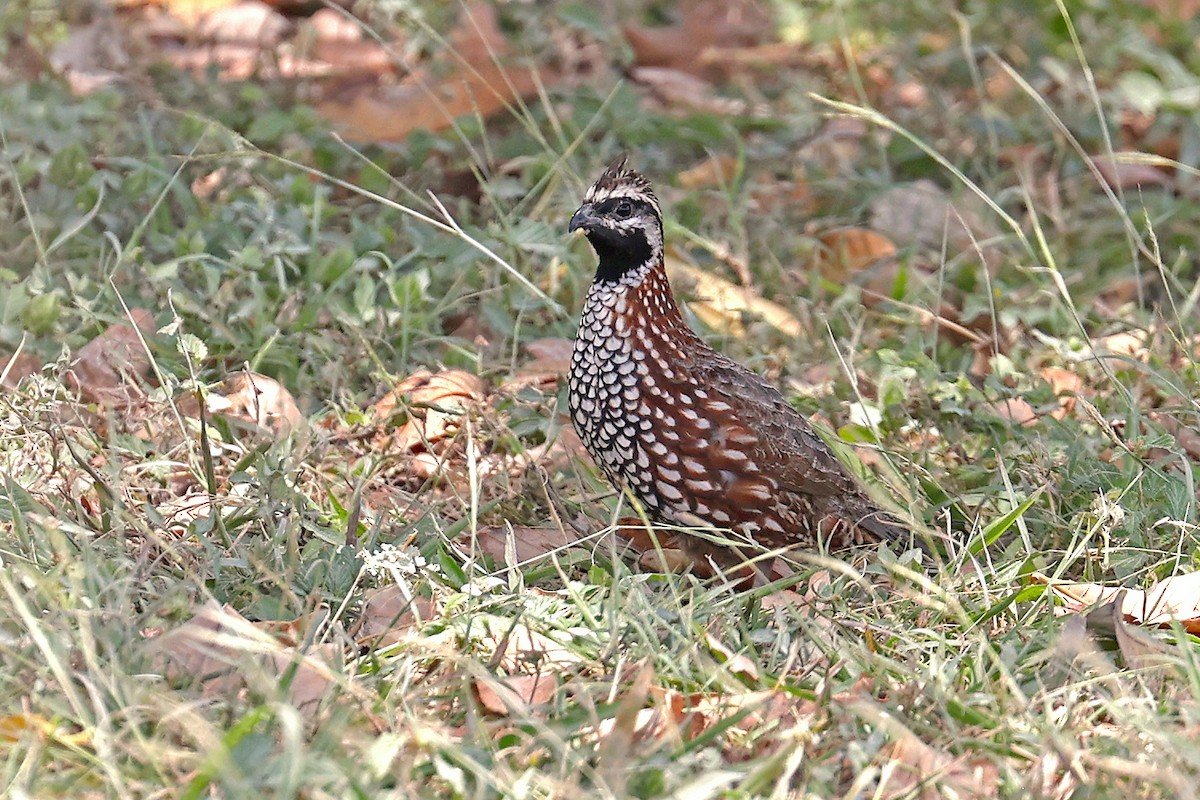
[619, 254]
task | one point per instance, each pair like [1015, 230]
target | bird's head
[622, 221]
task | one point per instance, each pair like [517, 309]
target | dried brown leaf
[389, 616]
[916, 770]
[1015, 410]
[1140, 650]
[703, 24]
[677, 89]
[470, 77]
[93, 56]
[1174, 598]
[1130, 171]
[249, 22]
[846, 251]
[1131, 344]
[721, 303]
[108, 369]
[1066, 386]
[515, 694]
[223, 653]
[550, 358]
[518, 649]
[434, 403]
[711, 172]
[529, 543]
[256, 399]
[16, 367]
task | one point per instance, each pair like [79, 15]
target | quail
[700, 441]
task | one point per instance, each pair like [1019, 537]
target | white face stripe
[598, 194]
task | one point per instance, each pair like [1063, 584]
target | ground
[289, 502]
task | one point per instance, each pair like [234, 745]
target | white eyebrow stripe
[595, 195]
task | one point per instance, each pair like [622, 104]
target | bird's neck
[640, 297]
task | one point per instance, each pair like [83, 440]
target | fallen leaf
[515, 694]
[1066, 386]
[92, 57]
[703, 24]
[529, 543]
[17, 367]
[677, 89]
[1131, 171]
[550, 360]
[248, 22]
[108, 369]
[1131, 344]
[15, 727]
[256, 399]
[713, 171]
[846, 251]
[1015, 410]
[434, 403]
[1184, 434]
[221, 652]
[921, 213]
[721, 303]
[333, 39]
[388, 616]
[914, 769]
[1171, 599]
[518, 649]
[469, 77]
[1140, 650]
[628, 725]
[737, 663]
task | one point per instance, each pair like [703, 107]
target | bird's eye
[624, 210]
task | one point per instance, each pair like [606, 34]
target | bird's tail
[884, 527]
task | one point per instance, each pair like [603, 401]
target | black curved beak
[584, 219]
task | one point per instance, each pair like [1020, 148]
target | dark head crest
[619, 180]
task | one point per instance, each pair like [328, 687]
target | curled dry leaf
[528, 543]
[711, 172]
[1140, 650]
[109, 368]
[16, 367]
[1175, 598]
[1066, 386]
[256, 399]
[737, 663]
[677, 89]
[222, 652]
[916, 770]
[1131, 171]
[518, 649]
[1015, 410]
[846, 251]
[550, 358]
[389, 616]
[703, 24]
[434, 403]
[721, 303]
[1130, 344]
[516, 693]
[469, 77]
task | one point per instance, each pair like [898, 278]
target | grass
[332, 270]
